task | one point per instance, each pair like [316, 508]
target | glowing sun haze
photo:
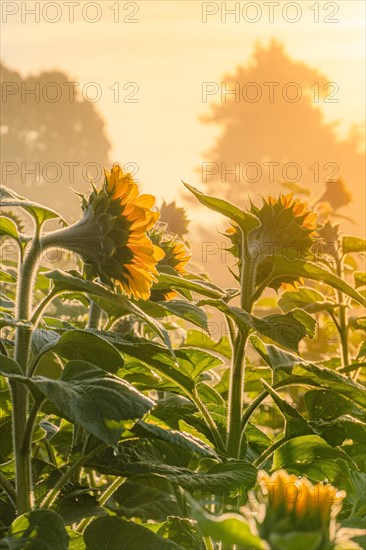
[168, 54]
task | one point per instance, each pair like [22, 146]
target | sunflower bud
[287, 229]
[174, 261]
[111, 238]
[298, 510]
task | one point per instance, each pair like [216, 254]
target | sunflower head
[176, 256]
[336, 194]
[174, 217]
[112, 236]
[294, 504]
[287, 228]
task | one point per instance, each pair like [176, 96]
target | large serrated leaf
[220, 479]
[94, 399]
[306, 298]
[332, 380]
[287, 330]
[311, 456]
[301, 268]
[180, 439]
[65, 282]
[153, 354]
[87, 346]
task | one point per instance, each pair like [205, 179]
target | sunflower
[176, 256]
[287, 228]
[336, 194]
[112, 236]
[294, 502]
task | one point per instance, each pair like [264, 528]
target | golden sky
[168, 53]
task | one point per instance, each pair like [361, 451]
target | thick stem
[23, 474]
[236, 389]
[95, 315]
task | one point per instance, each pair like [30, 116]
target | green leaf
[9, 367]
[306, 298]
[309, 270]
[8, 228]
[75, 504]
[188, 311]
[6, 303]
[287, 330]
[360, 278]
[183, 531]
[311, 456]
[7, 277]
[112, 533]
[94, 399]
[76, 540]
[295, 423]
[180, 308]
[40, 213]
[236, 475]
[245, 220]
[87, 346]
[332, 380]
[328, 405]
[155, 355]
[37, 530]
[180, 439]
[353, 244]
[148, 499]
[65, 282]
[199, 286]
[196, 338]
[228, 528]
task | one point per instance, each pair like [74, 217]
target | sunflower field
[125, 425]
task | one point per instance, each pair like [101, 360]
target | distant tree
[276, 117]
[52, 138]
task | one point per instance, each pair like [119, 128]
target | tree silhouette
[52, 138]
[276, 132]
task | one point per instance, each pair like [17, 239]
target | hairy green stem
[236, 388]
[29, 427]
[42, 306]
[54, 492]
[268, 452]
[209, 420]
[102, 500]
[343, 321]
[251, 409]
[23, 474]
